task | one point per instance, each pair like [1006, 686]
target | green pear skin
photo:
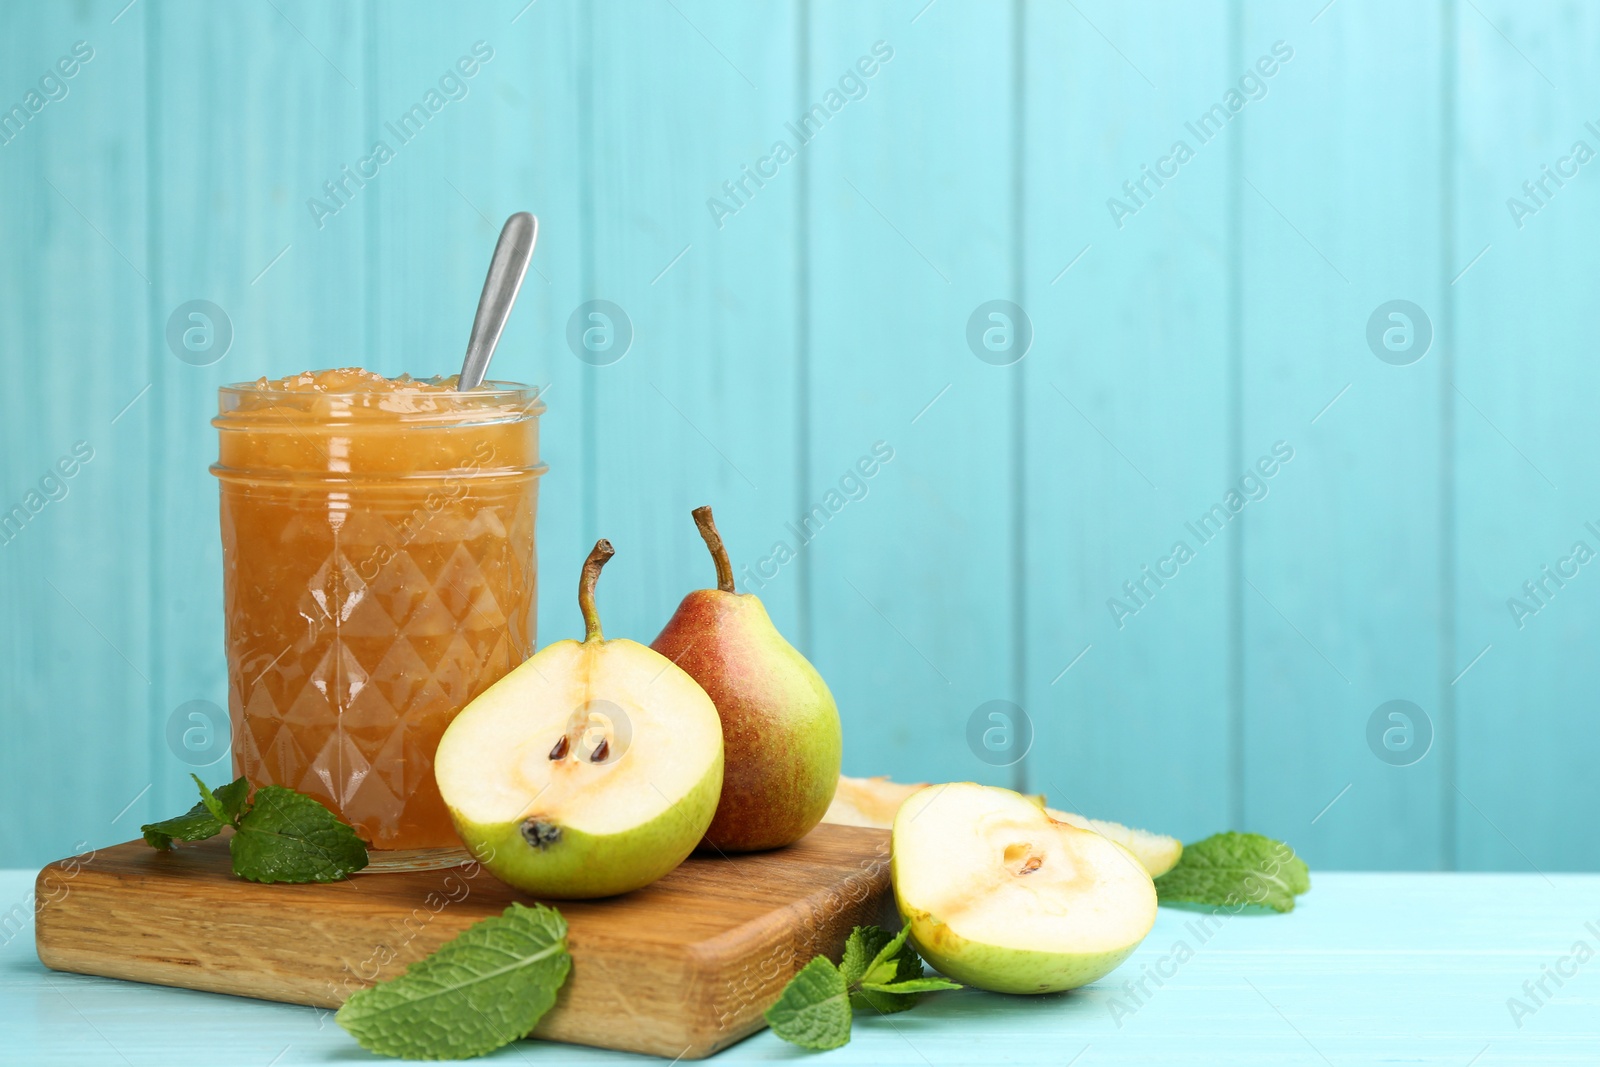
[579, 866]
[781, 736]
[1005, 970]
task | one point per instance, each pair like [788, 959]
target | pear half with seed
[592, 769]
[1002, 897]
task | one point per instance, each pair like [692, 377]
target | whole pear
[780, 726]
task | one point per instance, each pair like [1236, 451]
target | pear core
[1001, 896]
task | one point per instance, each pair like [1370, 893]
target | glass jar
[379, 573]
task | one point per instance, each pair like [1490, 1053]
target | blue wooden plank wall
[1196, 516]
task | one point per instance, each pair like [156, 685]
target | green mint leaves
[890, 978]
[487, 987]
[288, 837]
[228, 802]
[813, 1011]
[279, 835]
[879, 970]
[196, 824]
[1235, 870]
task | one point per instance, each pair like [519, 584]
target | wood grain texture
[701, 409]
[681, 968]
[909, 570]
[75, 629]
[1524, 440]
[1318, 257]
[787, 339]
[217, 99]
[1129, 415]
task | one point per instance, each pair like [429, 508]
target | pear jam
[378, 574]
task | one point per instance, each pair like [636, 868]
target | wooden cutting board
[681, 968]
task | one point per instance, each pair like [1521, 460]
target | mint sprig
[1235, 870]
[485, 988]
[289, 837]
[881, 981]
[878, 970]
[228, 802]
[196, 824]
[279, 835]
[813, 1011]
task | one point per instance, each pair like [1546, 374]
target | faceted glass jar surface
[379, 572]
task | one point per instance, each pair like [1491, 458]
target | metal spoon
[511, 255]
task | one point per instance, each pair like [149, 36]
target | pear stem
[586, 582]
[719, 551]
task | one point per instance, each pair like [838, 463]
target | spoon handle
[506, 270]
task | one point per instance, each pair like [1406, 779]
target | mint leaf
[485, 988]
[282, 836]
[878, 970]
[814, 1009]
[896, 961]
[884, 965]
[913, 985]
[233, 797]
[196, 824]
[860, 949]
[1235, 870]
[289, 837]
[209, 801]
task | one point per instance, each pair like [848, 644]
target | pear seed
[601, 750]
[540, 834]
[560, 749]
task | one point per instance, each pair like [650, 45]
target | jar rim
[490, 388]
[493, 399]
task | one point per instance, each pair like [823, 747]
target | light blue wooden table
[1371, 968]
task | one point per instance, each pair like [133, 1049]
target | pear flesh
[874, 801]
[592, 769]
[780, 725]
[1158, 852]
[1002, 897]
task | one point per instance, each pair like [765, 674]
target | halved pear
[1001, 896]
[592, 769]
[1158, 852]
[874, 801]
[869, 801]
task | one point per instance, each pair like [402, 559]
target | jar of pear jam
[378, 573]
